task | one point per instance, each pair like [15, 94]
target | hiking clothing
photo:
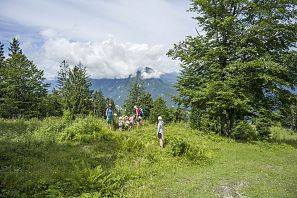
[160, 129]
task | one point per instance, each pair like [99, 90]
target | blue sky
[113, 38]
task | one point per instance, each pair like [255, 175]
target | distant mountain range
[118, 89]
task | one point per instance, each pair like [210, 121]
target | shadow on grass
[32, 168]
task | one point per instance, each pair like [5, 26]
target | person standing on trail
[138, 115]
[109, 115]
[160, 131]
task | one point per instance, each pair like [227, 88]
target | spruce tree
[14, 48]
[99, 104]
[2, 56]
[22, 87]
[136, 91]
[76, 94]
[159, 109]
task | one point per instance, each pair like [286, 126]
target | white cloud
[79, 30]
[106, 59]
[149, 21]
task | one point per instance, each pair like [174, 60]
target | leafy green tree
[241, 62]
[22, 88]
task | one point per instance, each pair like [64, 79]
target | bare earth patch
[231, 190]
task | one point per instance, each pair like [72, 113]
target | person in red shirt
[138, 115]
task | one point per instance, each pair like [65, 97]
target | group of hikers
[127, 123]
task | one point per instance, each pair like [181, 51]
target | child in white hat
[160, 131]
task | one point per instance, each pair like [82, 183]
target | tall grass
[55, 157]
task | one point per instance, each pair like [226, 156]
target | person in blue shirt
[109, 115]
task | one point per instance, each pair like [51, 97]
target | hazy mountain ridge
[118, 89]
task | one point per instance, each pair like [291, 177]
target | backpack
[141, 112]
[109, 112]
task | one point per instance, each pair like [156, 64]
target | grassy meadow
[83, 158]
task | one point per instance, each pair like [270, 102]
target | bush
[244, 131]
[178, 146]
[263, 128]
[195, 153]
[81, 129]
[49, 129]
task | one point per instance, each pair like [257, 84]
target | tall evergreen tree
[22, 87]
[76, 94]
[136, 91]
[14, 48]
[2, 56]
[99, 104]
[63, 75]
[159, 109]
[242, 62]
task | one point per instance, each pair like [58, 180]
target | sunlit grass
[84, 158]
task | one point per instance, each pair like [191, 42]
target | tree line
[238, 74]
[24, 93]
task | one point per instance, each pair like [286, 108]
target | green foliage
[49, 129]
[160, 109]
[263, 125]
[131, 164]
[244, 132]
[22, 90]
[243, 61]
[51, 105]
[82, 130]
[179, 147]
[14, 48]
[137, 96]
[99, 104]
[74, 89]
[67, 116]
[203, 121]
[289, 119]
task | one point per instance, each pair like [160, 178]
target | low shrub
[178, 146]
[244, 132]
[195, 153]
[81, 130]
[49, 129]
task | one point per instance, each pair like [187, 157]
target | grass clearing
[47, 159]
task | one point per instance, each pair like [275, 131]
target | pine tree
[243, 61]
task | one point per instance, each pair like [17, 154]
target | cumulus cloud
[78, 30]
[107, 59]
